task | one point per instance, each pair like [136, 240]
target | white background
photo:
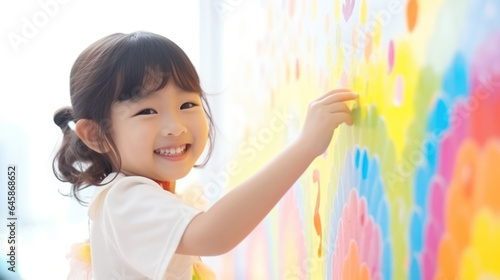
[39, 44]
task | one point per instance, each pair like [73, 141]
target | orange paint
[353, 268]
[411, 14]
[474, 186]
[368, 46]
[317, 217]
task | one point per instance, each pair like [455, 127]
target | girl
[142, 122]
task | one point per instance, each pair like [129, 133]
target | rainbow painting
[412, 189]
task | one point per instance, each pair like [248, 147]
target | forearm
[236, 214]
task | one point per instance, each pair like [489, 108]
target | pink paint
[391, 56]
[429, 265]
[292, 227]
[317, 217]
[437, 197]
[357, 226]
[347, 9]
[355, 38]
[434, 229]
[452, 141]
[399, 91]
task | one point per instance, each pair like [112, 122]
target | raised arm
[236, 214]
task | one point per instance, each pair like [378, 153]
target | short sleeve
[145, 225]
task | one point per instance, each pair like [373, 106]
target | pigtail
[75, 163]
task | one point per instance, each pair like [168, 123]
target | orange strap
[165, 185]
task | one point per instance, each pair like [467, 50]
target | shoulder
[121, 192]
[136, 189]
[132, 185]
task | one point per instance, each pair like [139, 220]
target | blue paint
[420, 189]
[383, 218]
[455, 81]
[414, 269]
[430, 152]
[416, 230]
[364, 166]
[358, 155]
[439, 118]
[374, 199]
[387, 261]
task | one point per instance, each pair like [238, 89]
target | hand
[324, 115]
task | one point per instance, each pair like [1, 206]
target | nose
[172, 125]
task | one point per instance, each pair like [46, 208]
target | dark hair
[117, 67]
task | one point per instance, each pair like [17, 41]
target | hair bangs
[149, 63]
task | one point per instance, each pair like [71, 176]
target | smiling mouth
[173, 151]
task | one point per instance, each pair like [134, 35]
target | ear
[87, 131]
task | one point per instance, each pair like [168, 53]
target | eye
[188, 105]
[148, 111]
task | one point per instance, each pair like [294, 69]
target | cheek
[129, 137]
[199, 129]
[204, 128]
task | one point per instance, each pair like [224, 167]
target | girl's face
[162, 135]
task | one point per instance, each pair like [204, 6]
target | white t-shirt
[135, 229]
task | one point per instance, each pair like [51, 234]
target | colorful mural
[412, 190]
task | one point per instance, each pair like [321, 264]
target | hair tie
[63, 117]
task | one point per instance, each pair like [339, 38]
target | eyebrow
[140, 97]
[190, 93]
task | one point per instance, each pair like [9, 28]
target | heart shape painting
[347, 9]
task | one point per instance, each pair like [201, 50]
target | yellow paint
[336, 10]
[380, 91]
[314, 6]
[362, 16]
[480, 259]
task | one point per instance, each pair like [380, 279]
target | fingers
[334, 103]
[343, 117]
[338, 108]
[338, 90]
[341, 96]
[340, 112]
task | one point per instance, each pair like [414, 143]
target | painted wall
[412, 190]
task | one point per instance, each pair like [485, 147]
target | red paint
[483, 104]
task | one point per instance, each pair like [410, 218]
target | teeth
[172, 151]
